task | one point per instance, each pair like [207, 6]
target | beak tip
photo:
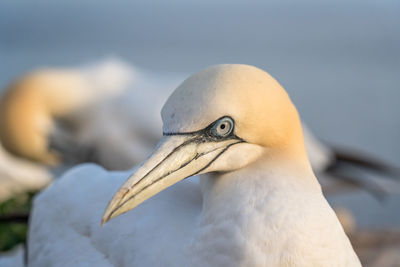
[111, 209]
[106, 218]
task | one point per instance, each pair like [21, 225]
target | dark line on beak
[216, 157]
[169, 173]
[152, 169]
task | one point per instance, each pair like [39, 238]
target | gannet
[237, 121]
[258, 202]
[31, 106]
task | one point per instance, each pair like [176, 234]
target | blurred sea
[339, 60]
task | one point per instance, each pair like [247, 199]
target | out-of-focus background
[339, 60]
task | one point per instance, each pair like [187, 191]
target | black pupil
[222, 126]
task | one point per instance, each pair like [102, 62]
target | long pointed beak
[176, 158]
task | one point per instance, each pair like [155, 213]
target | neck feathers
[268, 216]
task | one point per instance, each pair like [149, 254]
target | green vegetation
[13, 224]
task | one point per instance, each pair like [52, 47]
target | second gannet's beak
[176, 158]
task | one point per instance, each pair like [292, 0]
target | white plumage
[265, 208]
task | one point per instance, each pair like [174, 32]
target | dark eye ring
[223, 127]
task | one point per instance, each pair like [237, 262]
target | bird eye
[223, 127]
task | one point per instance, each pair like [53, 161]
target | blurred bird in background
[42, 115]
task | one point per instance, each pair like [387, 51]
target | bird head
[220, 119]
